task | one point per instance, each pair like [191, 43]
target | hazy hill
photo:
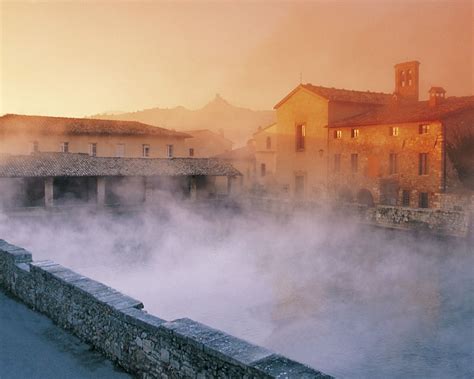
[238, 124]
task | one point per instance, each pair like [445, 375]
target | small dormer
[437, 96]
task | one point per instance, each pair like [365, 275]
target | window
[337, 162]
[393, 164]
[93, 149]
[338, 134]
[393, 131]
[423, 164]
[65, 147]
[269, 143]
[299, 185]
[406, 198]
[145, 151]
[169, 151]
[354, 162]
[300, 135]
[354, 133]
[120, 150]
[423, 129]
[34, 147]
[191, 152]
[409, 78]
[263, 169]
[423, 200]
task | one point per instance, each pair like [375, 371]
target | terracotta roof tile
[66, 164]
[80, 126]
[343, 95]
[414, 112]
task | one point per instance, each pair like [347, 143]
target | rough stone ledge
[216, 343]
[99, 291]
[236, 351]
[17, 254]
[23, 266]
[278, 366]
[141, 318]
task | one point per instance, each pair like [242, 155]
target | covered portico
[57, 179]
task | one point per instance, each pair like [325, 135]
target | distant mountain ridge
[238, 124]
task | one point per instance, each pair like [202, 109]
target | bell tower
[407, 81]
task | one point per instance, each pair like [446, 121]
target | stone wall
[440, 222]
[454, 221]
[142, 344]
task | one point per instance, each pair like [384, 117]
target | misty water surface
[348, 300]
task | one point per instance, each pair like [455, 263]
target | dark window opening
[191, 152]
[65, 147]
[146, 151]
[263, 169]
[406, 198]
[299, 185]
[300, 137]
[423, 164]
[337, 162]
[354, 162]
[423, 200]
[423, 129]
[393, 164]
[269, 143]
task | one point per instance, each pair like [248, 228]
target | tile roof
[67, 164]
[242, 153]
[81, 126]
[343, 95]
[414, 112]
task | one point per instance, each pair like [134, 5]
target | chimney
[407, 81]
[437, 96]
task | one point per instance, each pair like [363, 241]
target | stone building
[301, 164]
[375, 148]
[409, 153]
[20, 134]
[205, 143]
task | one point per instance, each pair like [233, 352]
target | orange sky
[81, 58]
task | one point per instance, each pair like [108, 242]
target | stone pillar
[149, 185]
[48, 192]
[193, 189]
[234, 185]
[100, 191]
[229, 185]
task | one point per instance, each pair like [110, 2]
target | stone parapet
[143, 344]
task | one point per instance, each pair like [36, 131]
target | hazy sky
[81, 58]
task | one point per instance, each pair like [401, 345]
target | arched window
[269, 143]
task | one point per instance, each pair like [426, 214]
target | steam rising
[348, 300]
